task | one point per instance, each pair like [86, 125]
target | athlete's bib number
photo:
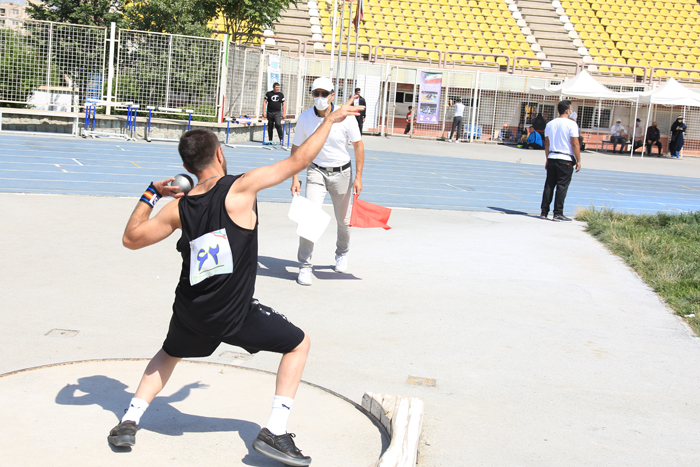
[210, 255]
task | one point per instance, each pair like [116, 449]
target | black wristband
[151, 196]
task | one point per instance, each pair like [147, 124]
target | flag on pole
[358, 15]
[367, 215]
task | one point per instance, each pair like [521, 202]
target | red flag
[358, 15]
[366, 215]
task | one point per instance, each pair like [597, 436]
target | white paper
[312, 220]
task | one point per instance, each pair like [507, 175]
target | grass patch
[663, 248]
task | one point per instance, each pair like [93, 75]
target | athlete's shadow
[161, 416]
[285, 269]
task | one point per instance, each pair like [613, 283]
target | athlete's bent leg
[157, 374]
[291, 368]
[152, 382]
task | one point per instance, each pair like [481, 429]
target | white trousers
[339, 185]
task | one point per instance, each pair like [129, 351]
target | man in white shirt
[457, 120]
[330, 172]
[561, 147]
[618, 136]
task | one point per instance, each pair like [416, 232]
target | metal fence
[168, 71]
[242, 84]
[55, 66]
[51, 66]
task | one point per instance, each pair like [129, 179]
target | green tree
[245, 19]
[186, 17]
[23, 69]
[88, 12]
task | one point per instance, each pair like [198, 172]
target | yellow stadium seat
[603, 69]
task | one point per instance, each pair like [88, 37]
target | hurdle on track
[168, 110]
[91, 114]
[228, 127]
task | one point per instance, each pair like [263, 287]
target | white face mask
[321, 103]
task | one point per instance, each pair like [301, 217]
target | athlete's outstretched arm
[300, 158]
[141, 230]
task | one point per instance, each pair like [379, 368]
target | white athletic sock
[136, 410]
[281, 407]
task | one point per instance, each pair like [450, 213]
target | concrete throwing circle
[208, 414]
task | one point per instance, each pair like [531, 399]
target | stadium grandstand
[617, 38]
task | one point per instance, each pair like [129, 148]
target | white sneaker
[456, 141]
[304, 276]
[341, 263]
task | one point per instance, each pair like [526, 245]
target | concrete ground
[545, 349]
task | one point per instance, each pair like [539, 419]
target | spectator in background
[506, 135]
[534, 140]
[409, 117]
[274, 109]
[676, 143]
[520, 134]
[638, 135]
[539, 123]
[359, 100]
[617, 136]
[457, 120]
[653, 138]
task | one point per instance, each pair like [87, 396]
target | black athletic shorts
[263, 329]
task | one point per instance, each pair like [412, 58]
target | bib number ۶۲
[210, 255]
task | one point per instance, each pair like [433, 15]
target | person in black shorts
[275, 109]
[214, 297]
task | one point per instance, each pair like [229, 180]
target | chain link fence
[169, 71]
[51, 66]
[242, 82]
[59, 67]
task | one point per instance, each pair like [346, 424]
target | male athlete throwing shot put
[214, 297]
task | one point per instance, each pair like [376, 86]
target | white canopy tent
[584, 86]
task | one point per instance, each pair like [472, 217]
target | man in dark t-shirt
[275, 109]
[214, 296]
[359, 100]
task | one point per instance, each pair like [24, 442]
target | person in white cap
[618, 136]
[330, 172]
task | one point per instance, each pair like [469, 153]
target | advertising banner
[273, 70]
[429, 97]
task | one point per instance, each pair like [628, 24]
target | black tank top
[215, 305]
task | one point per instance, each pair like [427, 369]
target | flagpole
[347, 57]
[340, 54]
[357, 45]
[335, 24]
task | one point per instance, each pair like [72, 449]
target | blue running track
[38, 164]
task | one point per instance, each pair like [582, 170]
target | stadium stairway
[296, 22]
[544, 23]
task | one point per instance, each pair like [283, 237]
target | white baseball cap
[323, 83]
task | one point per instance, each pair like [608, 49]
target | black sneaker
[281, 448]
[123, 434]
[560, 218]
[543, 215]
